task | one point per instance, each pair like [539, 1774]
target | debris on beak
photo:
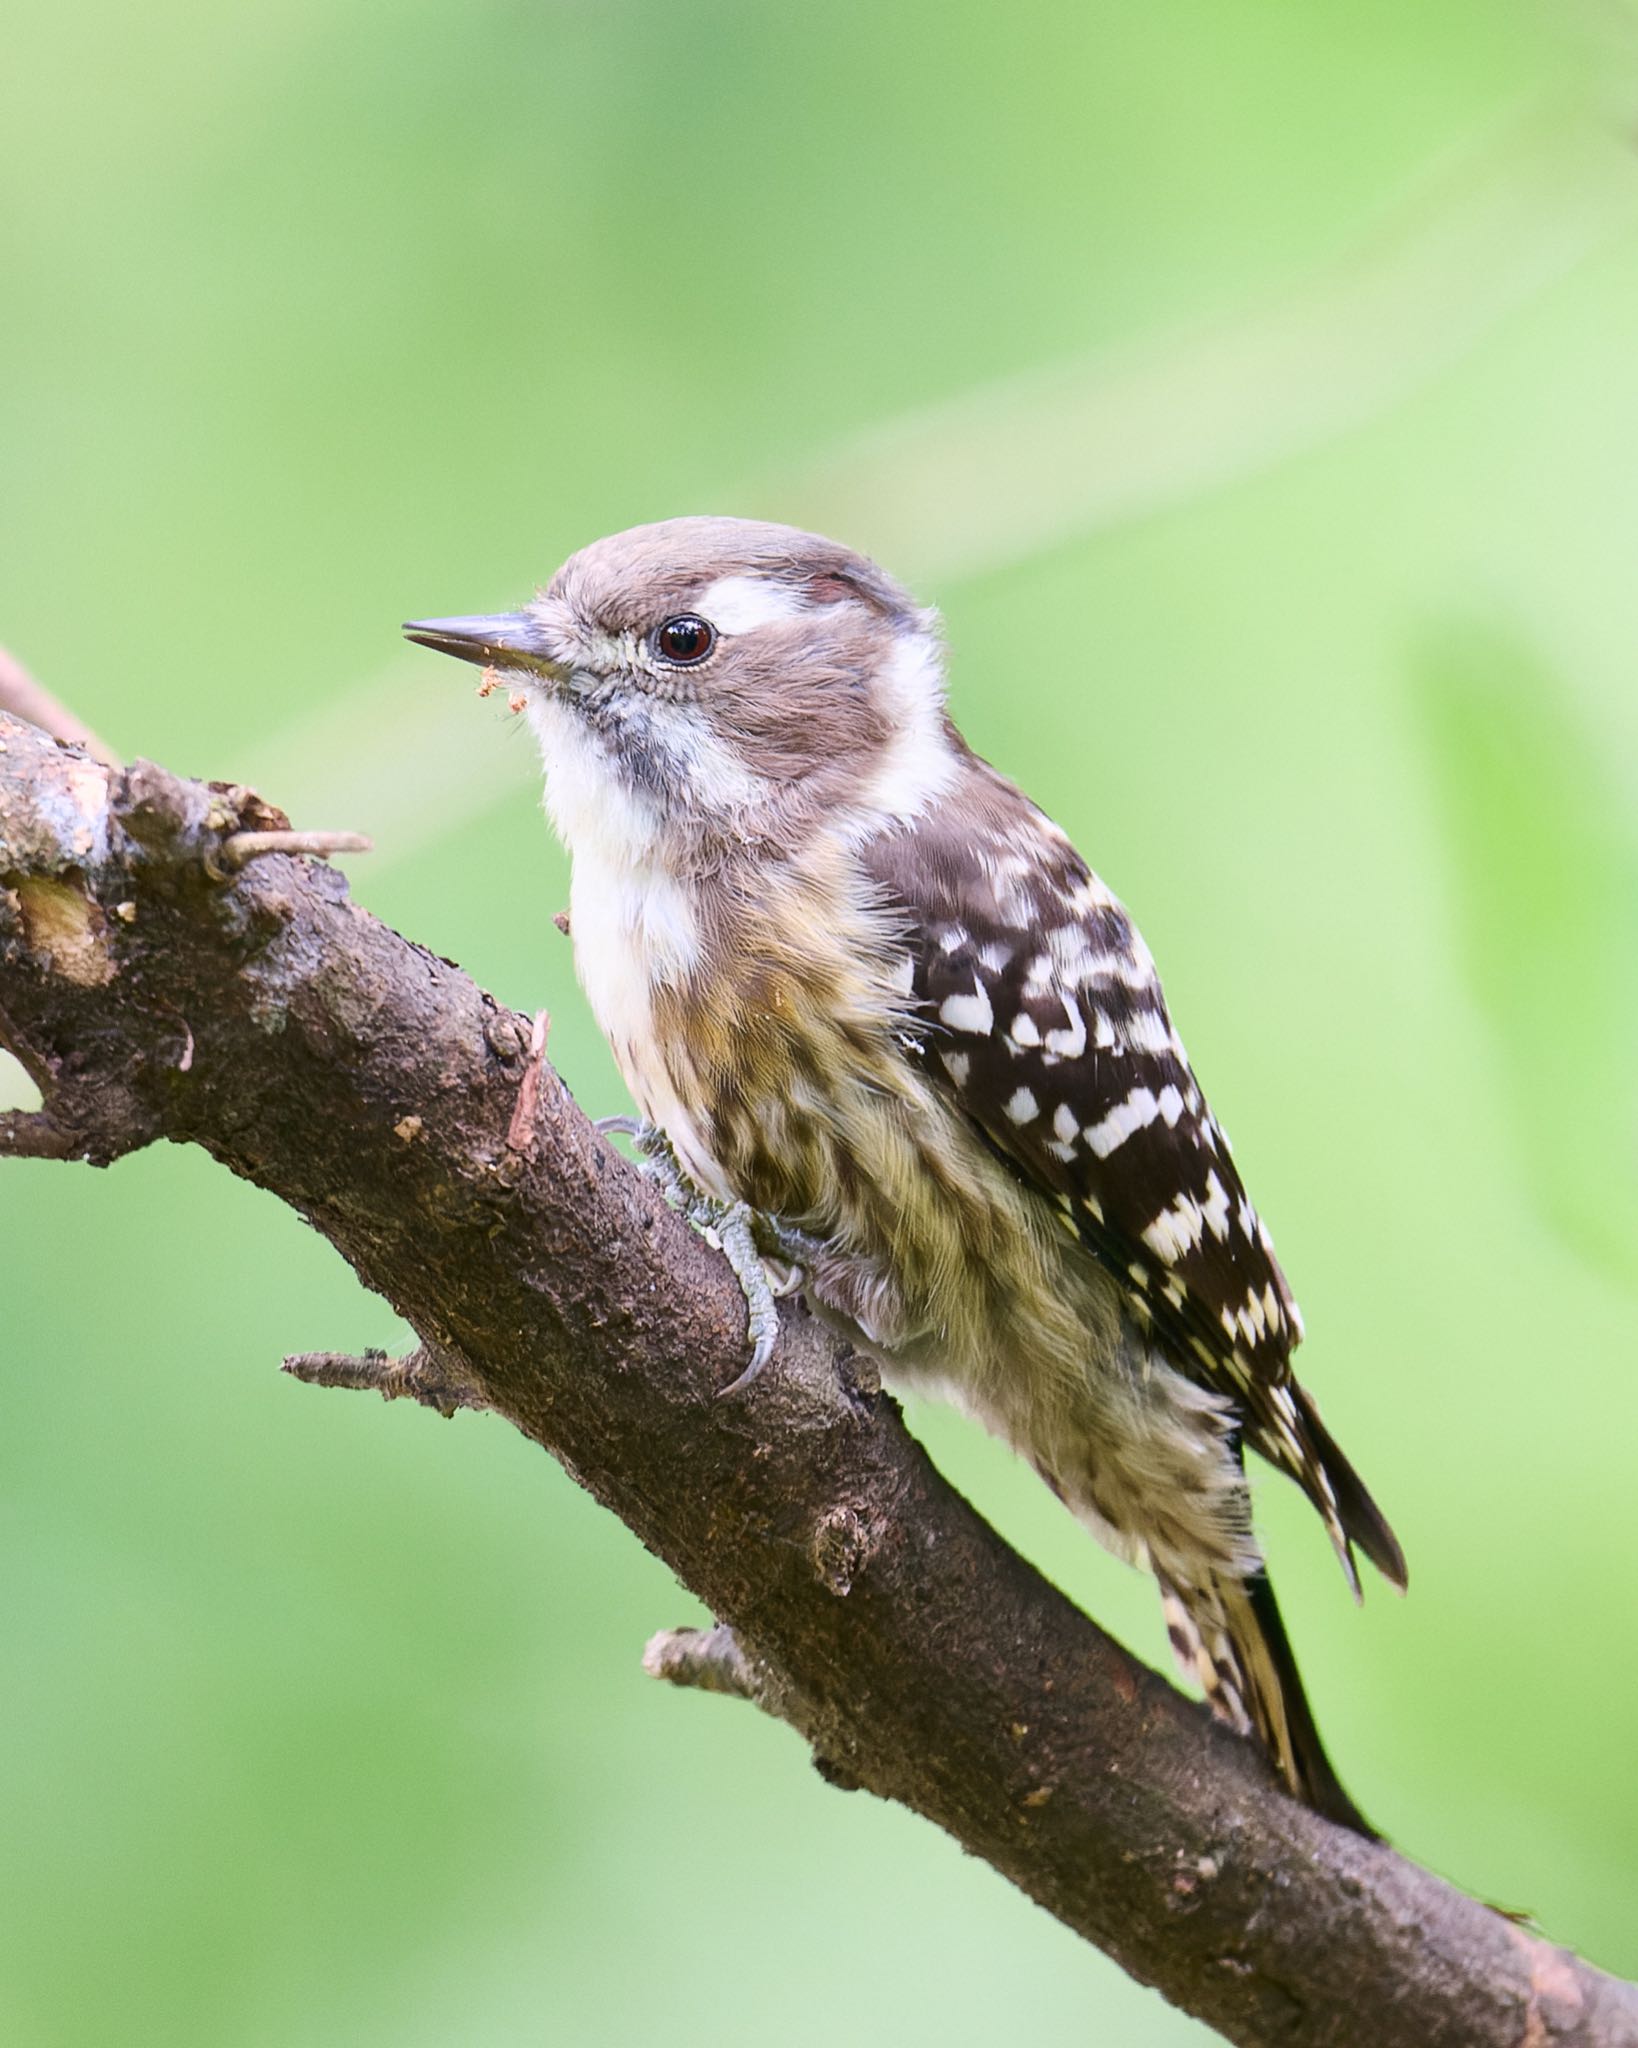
[492, 680]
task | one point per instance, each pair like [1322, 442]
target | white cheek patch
[595, 801]
[739, 604]
[913, 681]
[718, 780]
[592, 807]
[918, 764]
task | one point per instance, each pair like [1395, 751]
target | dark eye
[685, 639]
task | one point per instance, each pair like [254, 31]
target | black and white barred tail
[1228, 1636]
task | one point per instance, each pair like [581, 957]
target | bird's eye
[685, 640]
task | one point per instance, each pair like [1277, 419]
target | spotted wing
[1044, 1015]
[1040, 1009]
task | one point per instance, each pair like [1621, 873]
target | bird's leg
[742, 1234]
[732, 1227]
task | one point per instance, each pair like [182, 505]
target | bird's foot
[742, 1234]
[732, 1225]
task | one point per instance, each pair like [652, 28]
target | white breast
[632, 921]
[635, 933]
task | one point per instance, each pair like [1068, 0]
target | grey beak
[502, 640]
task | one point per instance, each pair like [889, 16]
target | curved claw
[618, 1126]
[734, 1233]
[762, 1352]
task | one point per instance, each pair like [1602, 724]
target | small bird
[878, 1007]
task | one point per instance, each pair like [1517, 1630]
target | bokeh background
[1255, 388]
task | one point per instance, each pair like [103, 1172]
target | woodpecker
[872, 997]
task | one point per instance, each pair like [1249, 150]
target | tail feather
[1228, 1634]
[1285, 1427]
[1362, 1520]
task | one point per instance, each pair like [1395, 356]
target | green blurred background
[1256, 390]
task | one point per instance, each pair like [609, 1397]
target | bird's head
[703, 682]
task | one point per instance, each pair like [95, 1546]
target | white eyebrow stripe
[739, 604]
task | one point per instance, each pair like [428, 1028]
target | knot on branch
[63, 925]
[842, 1544]
[166, 818]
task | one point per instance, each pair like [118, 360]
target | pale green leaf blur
[1544, 860]
[1203, 361]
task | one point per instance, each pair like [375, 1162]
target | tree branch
[239, 847]
[423, 1376]
[26, 698]
[152, 992]
[712, 1660]
[31, 1134]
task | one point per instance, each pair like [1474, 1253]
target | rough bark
[156, 990]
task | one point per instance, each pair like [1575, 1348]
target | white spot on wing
[969, 1013]
[1132, 974]
[1069, 1043]
[1175, 1231]
[1139, 1108]
[1148, 1031]
[1022, 1107]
